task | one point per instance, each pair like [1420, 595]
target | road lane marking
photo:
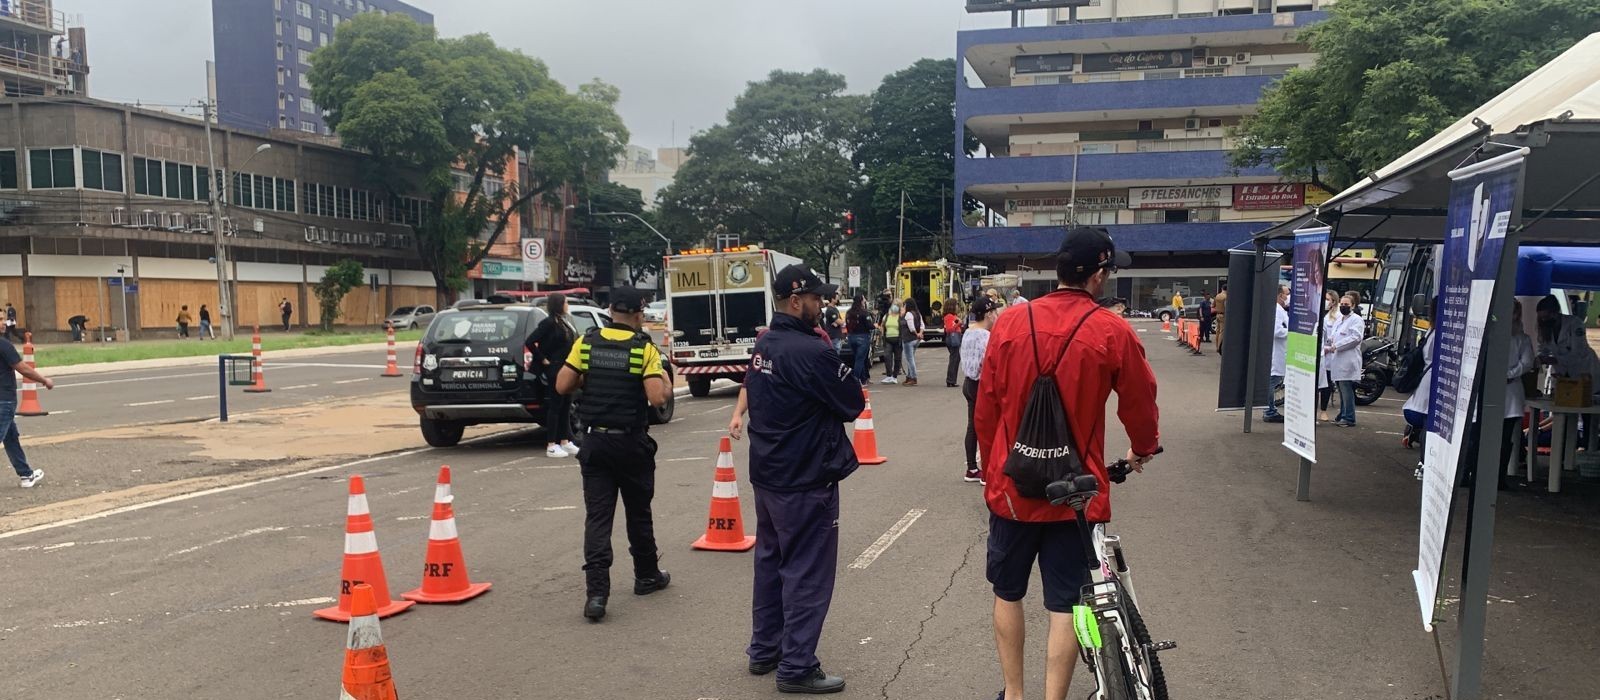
[685, 459]
[64, 385]
[718, 409]
[229, 538]
[549, 508]
[877, 549]
[282, 365]
[705, 432]
[199, 398]
[149, 403]
[64, 545]
[297, 386]
[1385, 432]
[352, 381]
[230, 609]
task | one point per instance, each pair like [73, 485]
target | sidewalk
[267, 354]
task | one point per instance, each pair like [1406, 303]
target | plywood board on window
[258, 303]
[160, 301]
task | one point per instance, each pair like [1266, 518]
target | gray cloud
[679, 61]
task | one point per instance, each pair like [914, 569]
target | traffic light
[849, 224]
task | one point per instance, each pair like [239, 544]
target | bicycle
[1112, 637]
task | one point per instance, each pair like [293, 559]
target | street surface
[209, 594]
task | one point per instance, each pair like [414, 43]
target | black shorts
[1013, 547]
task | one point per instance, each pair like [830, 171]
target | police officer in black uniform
[619, 369]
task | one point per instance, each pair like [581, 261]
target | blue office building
[263, 50]
[1119, 113]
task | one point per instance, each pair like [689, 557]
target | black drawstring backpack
[1042, 451]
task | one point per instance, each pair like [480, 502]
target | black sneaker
[646, 586]
[762, 668]
[814, 683]
[1272, 419]
[595, 608]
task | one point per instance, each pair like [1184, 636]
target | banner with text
[1482, 199]
[1305, 325]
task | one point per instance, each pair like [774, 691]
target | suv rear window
[485, 326]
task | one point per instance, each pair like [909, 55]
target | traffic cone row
[393, 370]
[258, 369]
[28, 399]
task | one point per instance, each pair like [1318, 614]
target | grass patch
[89, 353]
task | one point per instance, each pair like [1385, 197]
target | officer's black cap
[1087, 248]
[798, 279]
[629, 300]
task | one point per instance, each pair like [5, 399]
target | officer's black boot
[814, 683]
[646, 586]
[598, 584]
[595, 608]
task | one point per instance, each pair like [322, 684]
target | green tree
[428, 108]
[907, 146]
[778, 173]
[336, 282]
[1391, 73]
[627, 241]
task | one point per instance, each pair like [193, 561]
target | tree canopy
[623, 238]
[427, 108]
[1391, 73]
[779, 172]
[336, 282]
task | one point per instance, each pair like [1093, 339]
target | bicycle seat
[1076, 491]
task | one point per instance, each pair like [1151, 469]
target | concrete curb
[268, 355]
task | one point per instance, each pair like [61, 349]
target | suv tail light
[527, 360]
[416, 362]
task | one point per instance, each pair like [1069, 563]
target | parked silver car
[411, 316]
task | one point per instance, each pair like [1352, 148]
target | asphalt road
[210, 596]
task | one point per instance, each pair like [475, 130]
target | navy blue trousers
[797, 552]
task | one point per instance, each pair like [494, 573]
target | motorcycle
[1377, 370]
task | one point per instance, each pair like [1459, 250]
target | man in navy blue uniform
[800, 395]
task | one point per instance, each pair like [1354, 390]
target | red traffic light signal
[849, 224]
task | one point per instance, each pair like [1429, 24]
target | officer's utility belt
[616, 431]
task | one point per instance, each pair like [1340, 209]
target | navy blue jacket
[800, 396]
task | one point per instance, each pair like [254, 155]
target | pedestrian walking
[1177, 304]
[891, 328]
[799, 397]
[12, 363]
[1219, 309]
[911, 330]
[974, 342]
[953, 329]
[285, 309]
[1330, 302]
[11, 322]
[619, 369]
[1090, 352]
[859, 327]
[184, 319]
[1206, 319]
[833, 323]
[1341, 350]
[1280, 355]
[549, 344]
[205, 323]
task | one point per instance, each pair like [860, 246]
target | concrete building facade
[98, 200]
[647, 172]
[263, 53]
[1120, 114]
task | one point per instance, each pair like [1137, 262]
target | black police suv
[470, 369]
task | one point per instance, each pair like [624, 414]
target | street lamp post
[217, 189]
[647, 225]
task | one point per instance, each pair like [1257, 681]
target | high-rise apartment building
[1118, 113]
[39, 55]
[263, 50]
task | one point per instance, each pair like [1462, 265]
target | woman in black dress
[549, 344]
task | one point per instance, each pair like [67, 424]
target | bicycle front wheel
[1150, 682]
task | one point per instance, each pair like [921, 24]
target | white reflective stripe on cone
[864, 424]
[442, 530]
[725, 460]
[358, 505]
[30, 386]
[362, 634]
[441, 494]
[360, 542]
[725, 489]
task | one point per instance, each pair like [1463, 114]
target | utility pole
[901, 256]
[224, 300]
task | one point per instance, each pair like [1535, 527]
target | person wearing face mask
[891, 327]
[1563, 347]
[1330, 302]
[799, 396]
[1341, 352]
[1280, 353]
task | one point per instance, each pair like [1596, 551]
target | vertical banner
[1305, 324]
[1482, 198]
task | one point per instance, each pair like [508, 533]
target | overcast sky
[679, 61]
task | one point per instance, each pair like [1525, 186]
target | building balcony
[986, 110]
[989, 52]
[32, 16]
[28, 66]
[1000, 176]
[1134, 238]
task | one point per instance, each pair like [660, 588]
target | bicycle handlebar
[1119, 470]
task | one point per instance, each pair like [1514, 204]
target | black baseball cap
[1086, 248]
[629, 300]
[798, 279]
[982, 305]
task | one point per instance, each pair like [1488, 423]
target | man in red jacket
[1105, 356]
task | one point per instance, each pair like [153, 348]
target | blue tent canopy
[1542, 268]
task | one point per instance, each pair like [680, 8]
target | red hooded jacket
[1105, 356]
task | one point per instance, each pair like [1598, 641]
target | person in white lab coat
[1330, 304]
[1341, 354]
[1280, 352]
[1520, 362]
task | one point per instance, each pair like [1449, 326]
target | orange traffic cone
[361, 561]
[393, 370]
[444, 573]
[366, 660]
[725, 526]
[866, 396]
[866, 440]
[260, 370]
[1166, 324]
[28, 403]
